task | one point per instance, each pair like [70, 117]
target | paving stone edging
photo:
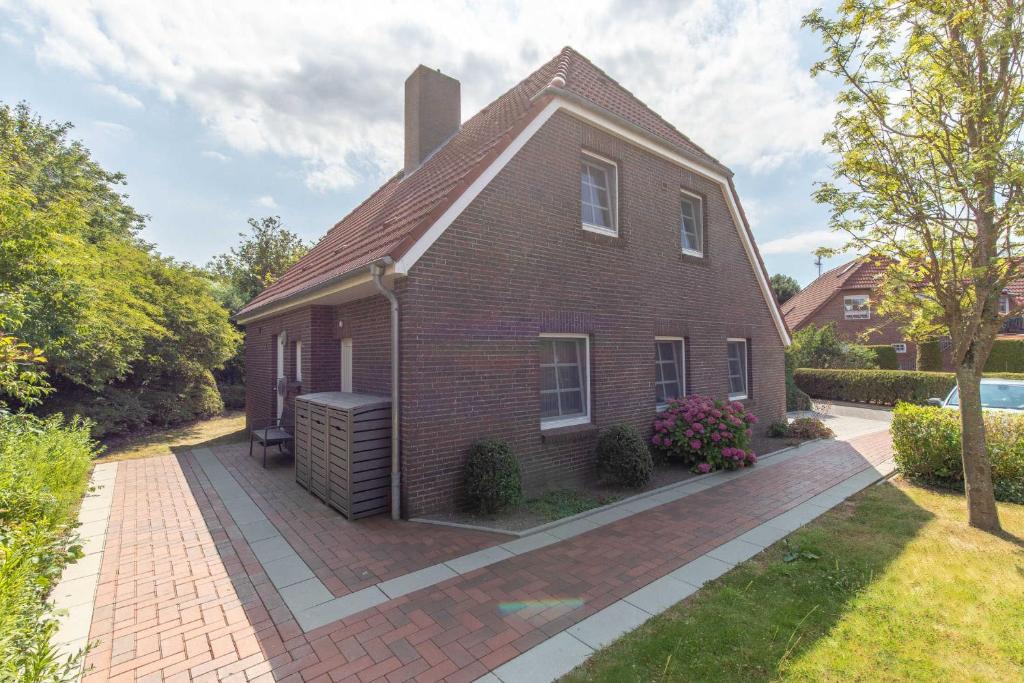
[75, 594]
[568, 649]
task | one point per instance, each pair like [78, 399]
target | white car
[996, 394]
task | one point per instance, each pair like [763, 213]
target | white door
[280, 383]
[346, 364]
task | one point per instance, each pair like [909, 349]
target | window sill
[693, 253]
[567, 433]
[738, 397]
[601, 230]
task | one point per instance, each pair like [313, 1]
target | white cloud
[323, 83]
[803, 242]
[267, 202]
[216, 156]
[119, 96]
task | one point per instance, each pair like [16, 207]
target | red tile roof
[860, 273]
[390, 221]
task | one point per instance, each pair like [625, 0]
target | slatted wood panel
[343, 451]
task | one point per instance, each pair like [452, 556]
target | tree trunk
[981, 501]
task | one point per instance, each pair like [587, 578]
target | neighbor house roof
[390, 221]
[860, 273]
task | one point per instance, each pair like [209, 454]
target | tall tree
[263, 255]
[929, 173]
[784, 287]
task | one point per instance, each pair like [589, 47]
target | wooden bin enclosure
[343, 450]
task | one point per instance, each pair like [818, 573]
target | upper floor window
[692, 224]
[598, 195]
[564, 380]
[669, 373]
[1004, 305]
[899, 347]
[856, 307]
[737, 369]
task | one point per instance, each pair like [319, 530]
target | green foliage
[622, 456]
[801, 428]
[44, 466]
[929, 356]
[493, 481]
[885, 356]
[1007, 356]
[821, 347]
[21, 375]
[795, 398]
[262, 257]
[76, 281]
[926, 442]
[233, 396]
[784, 287]
[881, 387]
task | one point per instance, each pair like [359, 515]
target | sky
[221, 111]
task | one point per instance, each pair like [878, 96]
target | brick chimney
[433, 112]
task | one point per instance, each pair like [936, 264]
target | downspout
[377, 270]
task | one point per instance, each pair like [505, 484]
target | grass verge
[226, 428]
[559, 503]
[892, 585]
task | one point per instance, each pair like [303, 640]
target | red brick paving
[181, 597]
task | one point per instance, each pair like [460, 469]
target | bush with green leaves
[926, 443]
[1007, 356]
[233, 396]
[881, 387]
[929, 356]
[885, 356]
[44, 469]
[821, 347]
[493, 481]
[623, 456]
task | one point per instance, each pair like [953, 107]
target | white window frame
[298, 360]
[556, 422]
[699, 218]
[1004, 305]
[613, 196]
[739, 396]
[682, 366]
[855, 315]
[899, 347]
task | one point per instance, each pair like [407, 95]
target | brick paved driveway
[182, 596]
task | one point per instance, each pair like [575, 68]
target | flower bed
[708, 433]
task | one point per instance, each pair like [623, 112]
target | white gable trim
[403, 265]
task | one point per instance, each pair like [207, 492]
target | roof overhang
[358, 283]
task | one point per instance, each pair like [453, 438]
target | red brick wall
[875, 330]
[517, 263]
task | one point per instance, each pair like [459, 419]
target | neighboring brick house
[845, 296]
[559, 263]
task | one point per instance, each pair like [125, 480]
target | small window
[598, 190]
[737, 369]
[899, 348]
[1004, 305]
[564, 379]
[298, 361]
[669, 373]
[856, 307]
[692, 225]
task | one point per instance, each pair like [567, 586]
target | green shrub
[885, 356]
[926, 441]
[1007, 356]
[44, 467]
[882, 387]
[233, 396]
[623, 456]
[929, 356]
[795, 399]
[821, 347]
[493, 481]
[805, 428]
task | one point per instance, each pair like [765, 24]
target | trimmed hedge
[885, 356]
[493, 481]
[623, 456]
[926, 441]
[881, 387]
[1007, 356]
[929, 356]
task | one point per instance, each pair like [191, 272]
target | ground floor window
[669, 373]
[737, 369]
[899, 348]
[564, 380]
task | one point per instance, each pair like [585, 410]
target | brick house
[560, 262]
[844, 296]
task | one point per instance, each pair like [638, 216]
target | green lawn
[226, 428]
[892, 585]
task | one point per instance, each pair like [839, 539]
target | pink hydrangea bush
[709, 433]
